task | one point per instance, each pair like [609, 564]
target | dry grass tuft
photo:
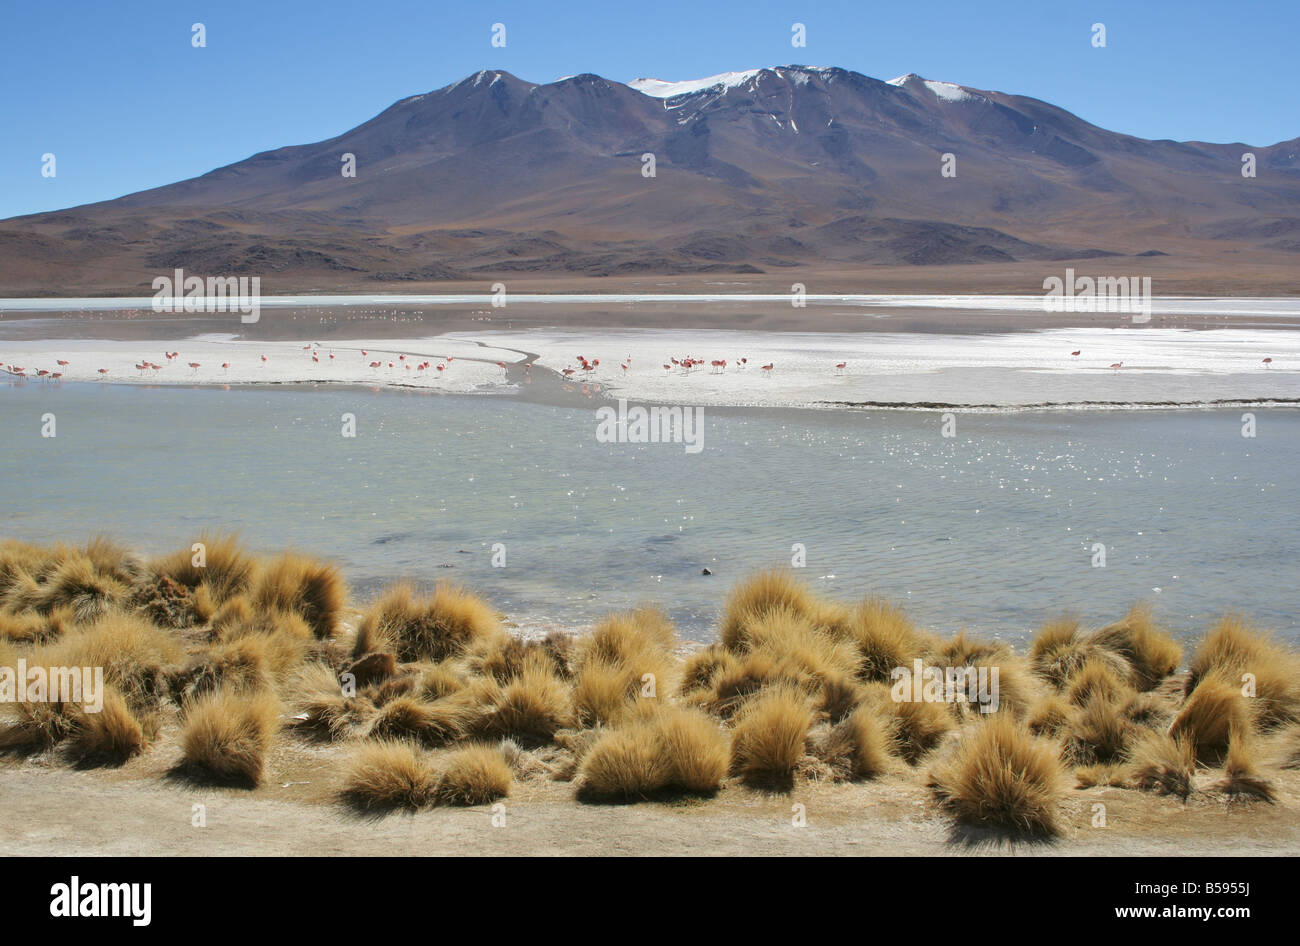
[1210, 715]
[916, 727]
[448, 623]
[1149, 650]
[770, 736]
[110, 736]
[858, 746]
[226, 736]
[388, 774]
[1097, 680]
[1233, 648]
[885, 639]
[765, 591]
[223, 565]
[667, 749]
[1098, 733]
[312, 589]
[1004, 778]
[475, 775]
[1158, 762]
[1241, 776]
[532, 706]
[77, 585]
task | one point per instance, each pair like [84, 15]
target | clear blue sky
[116, 91]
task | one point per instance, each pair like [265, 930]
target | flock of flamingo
[685, 365]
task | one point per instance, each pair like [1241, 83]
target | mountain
[783, 171]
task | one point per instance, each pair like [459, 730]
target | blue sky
[118, 94]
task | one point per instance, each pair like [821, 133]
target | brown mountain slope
[772, 174]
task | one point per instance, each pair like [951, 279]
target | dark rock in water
[464, 552]
[446, 565]
[706, 572]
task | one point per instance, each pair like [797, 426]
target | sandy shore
[55, 811]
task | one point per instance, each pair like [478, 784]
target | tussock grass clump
[1158, 762]
[1150, 652]
[312, 589]
[434, 627]
[532, 706]
[503, 658]
[668, 749]
[110, 736]
[756, 596]
[858, 746]
[475, 775]
[76, 584]
[222, 564]
[136, 655]
[1097, 680]
[1288, 747]
[25, 628]
[1098, 733]
[388, 774]
[1050, 716]
[434, 724]
[1233, 648]
[770, 736]
[1210, 715]
[226, 735]
[915, 727]
[28, 727]
[1058, 650]
[1004, 778]
[962, 650]
[1241, 776]
[703, 666]
[317, 693]
[810, 651]
[626, 656]
[885, 639]
[696, 750]
[624, 764]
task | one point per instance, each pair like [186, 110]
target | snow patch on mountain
[660, 89]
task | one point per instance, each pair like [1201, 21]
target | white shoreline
[1009, 370]
[1226, 306]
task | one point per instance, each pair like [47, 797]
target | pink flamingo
[1267, 362]
[1117, 365]
[839, 369]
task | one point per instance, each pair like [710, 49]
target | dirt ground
[47, 808]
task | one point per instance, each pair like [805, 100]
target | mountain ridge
[763, 171]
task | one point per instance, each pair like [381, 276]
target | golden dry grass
[312, 589]
[1151, 653]
[1209, 716]
[858, 746]
[222, 564]
[1158, 762]
[666, 749]
[915, 727]
[434, 627]
[226, 735]
[770, 736]
[1233, 648]
[532, 706]
[387, 774]
[110, 736]
[757, 595]
[885, 639]
[1003, 777]
[474, 775]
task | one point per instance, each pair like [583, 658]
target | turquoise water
[992, 529]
